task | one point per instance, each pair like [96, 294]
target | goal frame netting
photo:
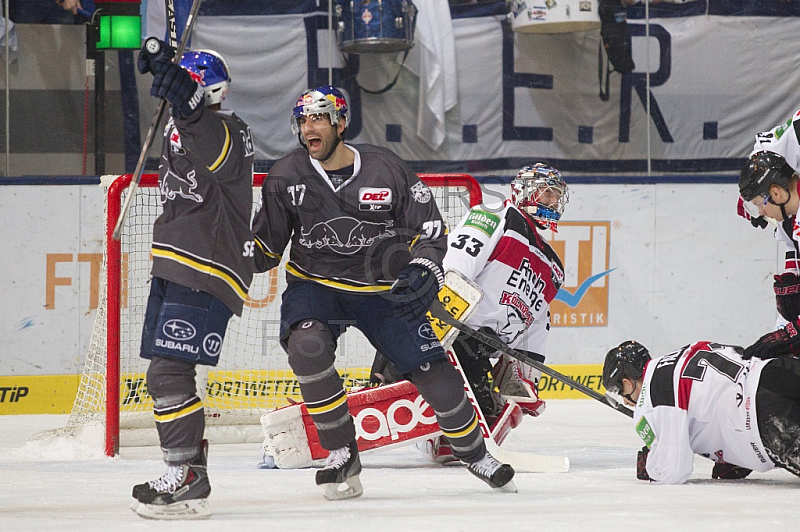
[102, 375]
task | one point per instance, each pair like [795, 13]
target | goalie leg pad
[443, 388]
[286, 437]
[311, 347]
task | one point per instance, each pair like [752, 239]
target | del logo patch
[374, 199]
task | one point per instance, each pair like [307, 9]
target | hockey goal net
[253, 375]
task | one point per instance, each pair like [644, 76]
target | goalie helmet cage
[253, 375]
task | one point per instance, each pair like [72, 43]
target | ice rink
[63, 488]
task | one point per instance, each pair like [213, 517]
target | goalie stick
[162, 105]
[439, 313]
[462, 297]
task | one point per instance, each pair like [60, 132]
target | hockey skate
[498, 476]
[512, 385]
[180, 493]
[341, 471]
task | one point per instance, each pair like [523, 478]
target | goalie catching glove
[787, 295]
[778, 343]
[416, 288]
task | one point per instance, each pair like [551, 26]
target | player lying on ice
[367, 246]
[732, 405]
[503, 253]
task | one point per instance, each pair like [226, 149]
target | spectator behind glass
[50, 11]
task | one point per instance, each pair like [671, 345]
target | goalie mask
[323, 100]
[762, 170]
[540, 192]
[628, 359]
[209, 69]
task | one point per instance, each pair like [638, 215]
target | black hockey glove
[641, 464]
[778, 343]
[759, 222]
[416, 288]
[155, 56]
[177, 87]
[726, 471]
[787, 295]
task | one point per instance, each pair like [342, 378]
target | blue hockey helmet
[541, 192]
[322, 100]
[210, 70]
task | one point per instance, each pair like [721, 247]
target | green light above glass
[120, 32]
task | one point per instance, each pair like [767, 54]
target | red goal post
[112, 370]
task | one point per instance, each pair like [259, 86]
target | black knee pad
[310, 347]
[167, 377]
[436, 382]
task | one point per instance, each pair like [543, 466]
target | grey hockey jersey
[202, 239]
[356, 235]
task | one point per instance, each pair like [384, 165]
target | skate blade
[509, 487]
[351, 488]
[191, 509]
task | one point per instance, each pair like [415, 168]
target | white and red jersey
[519, 273]
[700, 399]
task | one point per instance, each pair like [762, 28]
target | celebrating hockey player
[367, 246]
[504, 253]
[712, 400]
[202, 265]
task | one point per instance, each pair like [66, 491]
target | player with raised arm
[718, 401]
[505, 255]
[367, 246]
[202, 265]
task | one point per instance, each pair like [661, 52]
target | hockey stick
[162, 105]
[521, 462]
[462, 297]
[438, 312]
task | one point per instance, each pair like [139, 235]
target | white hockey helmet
[540, 192]
[210, 70]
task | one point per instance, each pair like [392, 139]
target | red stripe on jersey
[685, 384]
[511, 252]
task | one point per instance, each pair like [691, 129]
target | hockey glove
[177, 87]
[641, 464]
[726, 471]
[155, 56]
[415, 289]
[778, 343]
[787, 295]
[755, 221]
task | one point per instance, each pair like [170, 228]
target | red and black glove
[726, 471]
[787, 295]
[641, 464]
[778, 343]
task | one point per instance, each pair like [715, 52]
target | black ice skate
[180, 493]
[341, 470]
[494, 473]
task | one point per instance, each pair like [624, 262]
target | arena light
[119, 32]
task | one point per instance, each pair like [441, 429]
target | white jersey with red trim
[519, 273]
[700, 399]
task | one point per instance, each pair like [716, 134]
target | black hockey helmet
[626, 360]
[763, 169]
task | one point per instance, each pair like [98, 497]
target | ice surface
[65, 487]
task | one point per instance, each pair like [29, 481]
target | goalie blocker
[385, 417]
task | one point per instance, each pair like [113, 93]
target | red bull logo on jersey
[584, 248]
[345, 235]
[173, 186]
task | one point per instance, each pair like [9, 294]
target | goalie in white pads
[503, 252]
[201, 269]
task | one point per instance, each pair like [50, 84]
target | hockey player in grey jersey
[367, 246]
[202, 265]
